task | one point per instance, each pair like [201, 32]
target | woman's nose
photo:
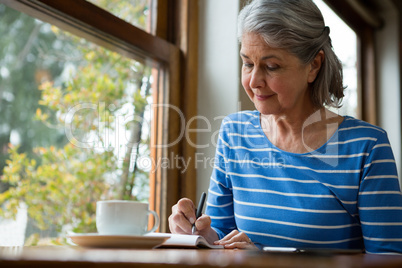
[257, 78]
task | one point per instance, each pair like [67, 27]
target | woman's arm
[380, 201]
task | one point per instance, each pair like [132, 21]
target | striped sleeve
[220, 196]
[380, 201]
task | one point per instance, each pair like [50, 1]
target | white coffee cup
[122, 217]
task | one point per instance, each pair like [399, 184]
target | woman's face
[275, 80]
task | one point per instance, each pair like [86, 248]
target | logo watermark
[120, 131]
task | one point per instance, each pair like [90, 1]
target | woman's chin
[266, 110]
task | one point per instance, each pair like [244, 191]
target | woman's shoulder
[243, 116]
[244, 121]
[357, 128]
[350, 121]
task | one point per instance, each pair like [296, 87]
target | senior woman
[292, 173]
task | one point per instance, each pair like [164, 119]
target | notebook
[184, 241]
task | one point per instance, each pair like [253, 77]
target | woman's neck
[300, 133]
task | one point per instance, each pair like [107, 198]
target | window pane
[347, 53]
[75, 128]
[137, 12]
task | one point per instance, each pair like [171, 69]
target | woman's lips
[262, 97]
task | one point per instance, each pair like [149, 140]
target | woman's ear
[315, 66]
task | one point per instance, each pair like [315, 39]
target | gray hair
[298, 27]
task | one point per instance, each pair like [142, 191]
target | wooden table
[60, 257]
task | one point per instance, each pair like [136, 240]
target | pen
[199, 210]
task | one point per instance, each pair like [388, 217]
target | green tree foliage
[77, 155]
[135, 12]
[22, 66]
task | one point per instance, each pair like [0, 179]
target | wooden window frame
[175, 47]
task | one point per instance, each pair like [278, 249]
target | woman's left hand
[236, 239]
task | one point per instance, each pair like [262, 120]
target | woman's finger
[179, 224]
[227, 237]
[203, 222]
[240, 245]
[237, 239]
[187, 208]
[182, 218]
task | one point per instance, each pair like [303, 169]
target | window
[347, 53]
[104, 108]
[363, 21]
[140, 13]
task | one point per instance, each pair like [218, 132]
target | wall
[218, 76]
[388, 79]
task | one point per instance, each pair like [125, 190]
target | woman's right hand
[183, 217]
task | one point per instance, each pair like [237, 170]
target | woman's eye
[272, 67]
[248, 65]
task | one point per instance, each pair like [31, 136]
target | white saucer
[95, 240]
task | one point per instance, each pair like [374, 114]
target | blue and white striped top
[344, 195]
